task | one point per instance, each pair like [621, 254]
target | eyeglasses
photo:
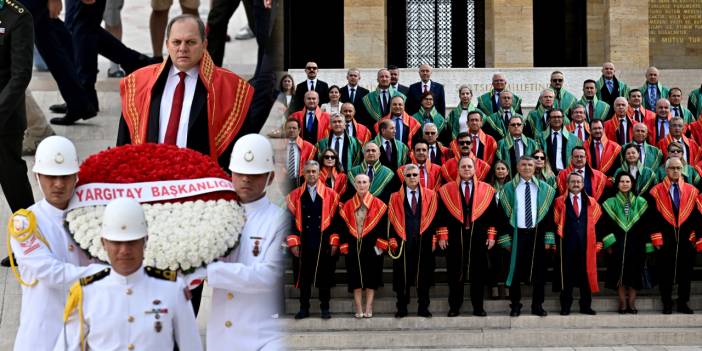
[515, 124]
[429, 133]
[329, 157]
[311, 68]
[539, 157]
[464, 142]
[557, 80]
[675, 151]
[412, 175]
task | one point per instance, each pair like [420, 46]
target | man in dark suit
[352, 92]
[395, 80]
[426, 84]
[210, 119]
[609, 88]
[311, 83]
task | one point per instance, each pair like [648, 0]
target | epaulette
[95, 277]
[16, 6]
[161, 273]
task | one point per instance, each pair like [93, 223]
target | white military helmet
[252, 154]
[123, 220]
[56, 156]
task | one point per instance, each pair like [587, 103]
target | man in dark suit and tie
[311, 83]
[352, 92]
[395, 80]
[609, 87]
[426, 84]
[189, 102]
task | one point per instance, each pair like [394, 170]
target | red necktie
[466, 198]
[426, 88]
[176, 108]
[414, 202]
[576, 207]
[590, 111]
[597, 153]
[422, 179]
[580, 133]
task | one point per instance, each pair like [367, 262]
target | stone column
[595, 32]
[365, 33]
[626, 33]
[509, 33]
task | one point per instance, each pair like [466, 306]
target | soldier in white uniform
[48, 259]
[128, 306]
[248, 284]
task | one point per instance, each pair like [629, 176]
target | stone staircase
[383, 331]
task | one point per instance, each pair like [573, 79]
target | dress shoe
[516, 310]
[454, 313]
[424, 313]
[588, 310]
[326, 314]
[244, 33]
[631, 310]
[565, 311]
[479, 313]
[667, 309]
[118, 73]
[58, 108]
[71, 118]
[402, 312]
[685, 309]
[539, 311]
[623, 311]
[302, 314]
[6, 262]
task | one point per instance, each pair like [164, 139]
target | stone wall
[675, 33]
[365, 33]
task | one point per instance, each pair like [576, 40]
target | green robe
[664, 90]
[571, 141]
[653, 157]
[601, 108]
[564, 100]
[694, 102]
[354, 151]
[372, 101]
[436, 118]
[495, 122]
[689, 174]
[508, 198]
[623, 88]
[504, 145]
[535, 124]
[485, 102]
[644, 182]
[687, 115]
[453, 119]
[382, 176]
[402, 149]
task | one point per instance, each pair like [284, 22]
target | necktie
[349, 129]
[385, 102]
[553, 153]
[337, 146]
[466, 199]
[637, 113]
[652, 95]
[641, 152]
[311, 85]
[388, 150]
[398, 128]
[661, 130]
[370, 174]
[474, 145]
[598, 155]
[517, 148]
[426, 88]
[576, 206]
[176, 108]
[432, 153]
[622, 132]
[310, 121]
[292, 165]
[676, 198]
[528, 220]
[590, 110]
[581, 136]
[313, 193]
[506, 118]
[353, 95]
[676, 112]
[422, 178]
[610, 85]
[414, 202]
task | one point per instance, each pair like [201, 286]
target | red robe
[694, 131]
[408, 121]
[449, 171]
[645, 114]
[611, 127]
[340, 180]
[307, 152]
[322, 122]
[598, 180]
[572, 125]
[330, 205]
[593, 215]
[482, 198]
[363, 134]
[693, 148]
[228, 100]
[664, 204]
[489, 147]
[376, 211]
[396, 213]
[433, 172]
[610, 152]
[653, 128]
[444, 153]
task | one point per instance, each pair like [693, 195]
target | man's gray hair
[424, 128]
[369, 144]
[575, 174]
[409, 167]
[311, 163]
[198, 20]
[547, 90]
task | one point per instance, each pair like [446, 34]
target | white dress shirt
[247, 289]
[463, 187]
[559, 152]
[634, 171]
[309, 81]
[428, 84]
[312, 190]
[475, 138]
[684, 148]
[580, 200]
[518, 145]
[341, 146]
[191, 77]
[408, 194]
[55, 269]
[520, 206]
[463, 121]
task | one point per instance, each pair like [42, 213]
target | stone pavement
[101, 132]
